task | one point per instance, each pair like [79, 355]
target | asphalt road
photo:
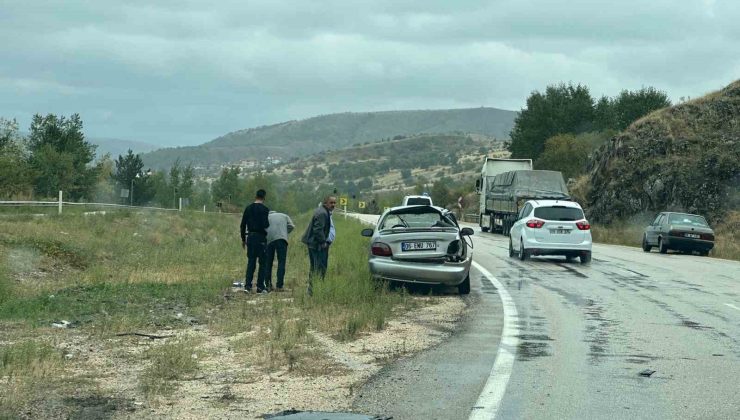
[582, 336]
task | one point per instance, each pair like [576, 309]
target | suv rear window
[559, 213]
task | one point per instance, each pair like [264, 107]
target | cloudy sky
[184, 72]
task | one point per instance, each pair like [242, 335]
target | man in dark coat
[253, 230]
[318, 237]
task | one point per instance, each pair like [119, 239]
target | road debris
[647, 373]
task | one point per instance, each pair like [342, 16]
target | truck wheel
[484, 228]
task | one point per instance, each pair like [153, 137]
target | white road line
[732, 306]
[490, 398]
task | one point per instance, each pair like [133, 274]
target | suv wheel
[586, 258]
[522, 252]
[511, 248]
[645, 246]
[464, 287]
[661, 246]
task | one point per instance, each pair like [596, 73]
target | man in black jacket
[253, 230]
[318, 237]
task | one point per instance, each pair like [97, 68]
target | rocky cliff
[682, 158]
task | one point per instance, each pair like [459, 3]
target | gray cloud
[174, 72]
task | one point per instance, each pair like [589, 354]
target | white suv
[551, 227]
[417, 200]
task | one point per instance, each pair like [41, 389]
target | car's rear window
[418, 201]
[558, 213]
[416, 220]
[687, 219]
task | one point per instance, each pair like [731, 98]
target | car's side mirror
[367, 232]
[467, 232]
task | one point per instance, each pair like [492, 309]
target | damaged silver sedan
[422, 245]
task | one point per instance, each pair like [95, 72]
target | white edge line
[732, 306]
[490, 398]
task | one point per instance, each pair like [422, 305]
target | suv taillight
[535, 223]
[382, 250]
[583, 225]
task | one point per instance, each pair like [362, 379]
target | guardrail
[59, 204]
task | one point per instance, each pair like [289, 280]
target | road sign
[361, 204]
[342, 201]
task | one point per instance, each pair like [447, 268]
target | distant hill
[682, 158]
[399, 163]
[327, 132]
[119, 147]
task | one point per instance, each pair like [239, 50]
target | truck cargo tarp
[544, 184]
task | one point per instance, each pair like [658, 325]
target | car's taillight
[583, 225]
[382, 250]
[535, 223]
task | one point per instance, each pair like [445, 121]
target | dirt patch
[103, 374]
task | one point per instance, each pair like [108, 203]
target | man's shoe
[279, 289]
[247, 291]
[262, 292]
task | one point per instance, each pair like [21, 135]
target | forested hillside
[328, 132]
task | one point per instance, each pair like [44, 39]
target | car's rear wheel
[704, 253]
[522, 252]
[586, 258]
[661, 246]
[511, 248]
[645, 246]
[464, 287]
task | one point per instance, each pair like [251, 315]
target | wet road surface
[584, 334]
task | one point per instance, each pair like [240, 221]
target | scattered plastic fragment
[647, 373]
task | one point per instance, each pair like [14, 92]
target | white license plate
[692, 235]
[560, 231]
[418, 246]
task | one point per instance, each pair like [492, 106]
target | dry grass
[170, 362]
[27, 369]
[165, 274]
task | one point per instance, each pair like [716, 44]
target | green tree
[227, 187]
[60, 156]
[129, 172]
[561, 109]
[630, 106]
[441, 194]
[16, 177]
[564, 153]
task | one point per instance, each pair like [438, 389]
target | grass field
[159, 273]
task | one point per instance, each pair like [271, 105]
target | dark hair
[261, 193]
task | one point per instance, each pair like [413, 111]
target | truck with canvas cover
[491, 168]
[510, 190]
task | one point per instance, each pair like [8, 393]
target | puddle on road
[694, 325]
[319, 415]
[529, 350]
[534, 337]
